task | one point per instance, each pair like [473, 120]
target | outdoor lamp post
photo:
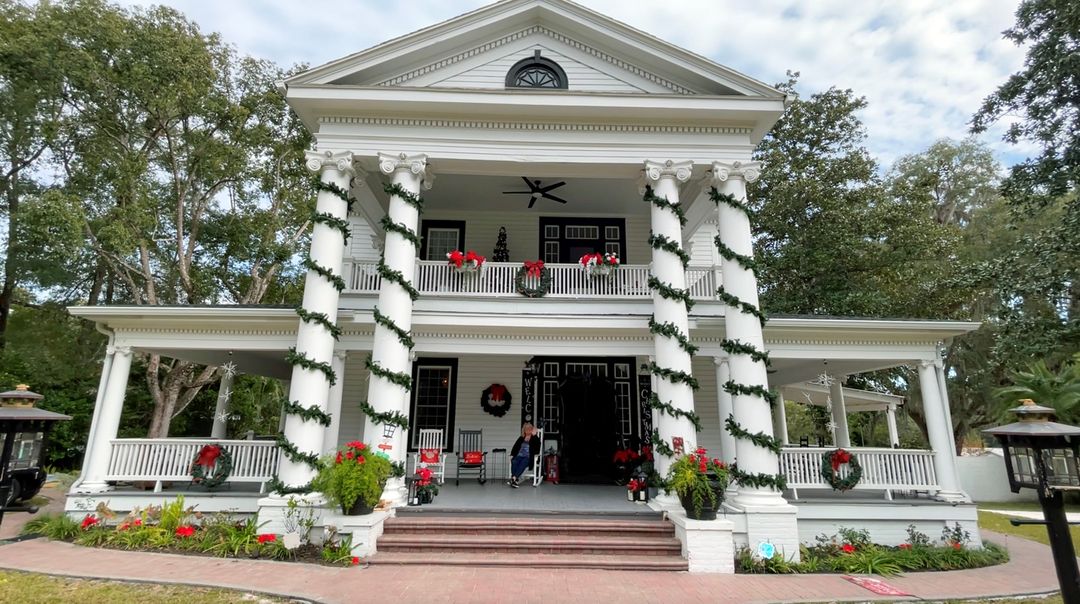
[1044, 455]
[23, 429]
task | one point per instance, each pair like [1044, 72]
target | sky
[924, 65]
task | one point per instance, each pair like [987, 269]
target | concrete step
[526, 526]
[606, 562]
[517, 543]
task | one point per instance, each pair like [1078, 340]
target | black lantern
[23, 429]
[414, 493]
[1044, 455]
[388, 430]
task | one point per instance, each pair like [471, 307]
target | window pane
[551, 231]
[440, 242]
[432, 410]
[613, 248]
[551, 252]
[611, 232]
[582, 232]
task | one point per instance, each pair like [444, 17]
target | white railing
[496, 279]
[170, 459]
[883, 469]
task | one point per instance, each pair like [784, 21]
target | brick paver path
[1030, 571]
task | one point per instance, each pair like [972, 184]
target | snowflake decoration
[228, 369]
[824, 379]
[227, 393]
[831, 426]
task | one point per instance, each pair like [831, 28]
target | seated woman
[524, 453]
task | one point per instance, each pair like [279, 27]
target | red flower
[359, 446]
[338, 458]
[957, 546]
[355, 561]
[123, 526]
[185, 531]
[905, 546]
[473, 257]
[89, 521]
[266, 538]
[137, 522]
[349, 455]
[455, 258]
[359, 459]
[646, 452]
[702, 467]
[701, 451]
[848, 548]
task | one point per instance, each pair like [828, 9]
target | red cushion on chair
[429, 455]
[472, 457]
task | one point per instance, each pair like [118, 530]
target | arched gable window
[536, 72]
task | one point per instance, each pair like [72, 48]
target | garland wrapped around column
[736, 347]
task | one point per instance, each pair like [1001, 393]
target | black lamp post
[1044, 455]
[24, 427]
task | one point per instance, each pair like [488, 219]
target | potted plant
[699, 482]
[354, 478]
[599, 264]
[470, 262]
[426, 488]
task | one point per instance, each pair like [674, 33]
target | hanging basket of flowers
[831, 462]
[533, 279]
[599, 264]
[468, 263]
[211, 466]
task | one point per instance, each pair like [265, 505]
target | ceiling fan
[536, 191]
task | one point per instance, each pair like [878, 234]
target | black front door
[566, 240]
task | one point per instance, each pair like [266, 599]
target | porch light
[1044, 455]
[388, 430]
[23, 430]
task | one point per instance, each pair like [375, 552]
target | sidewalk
[1030, 571]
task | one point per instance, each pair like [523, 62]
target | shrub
[355, 472]
[916, 538]
[58, 527]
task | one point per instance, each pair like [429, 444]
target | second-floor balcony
[497, 280]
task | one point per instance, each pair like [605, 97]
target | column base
[365, 530]
[394, 492]
[769, 520]
[665, 501]
[90, 488]
[707, 545]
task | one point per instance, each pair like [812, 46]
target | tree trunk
[7, 292]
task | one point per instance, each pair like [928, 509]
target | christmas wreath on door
[496, 400]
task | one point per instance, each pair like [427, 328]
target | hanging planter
[469, 263]
[599, 265]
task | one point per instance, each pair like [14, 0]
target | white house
[576, 134]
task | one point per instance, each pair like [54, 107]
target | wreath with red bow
[536, 272]
[830, 469]
[496, 400]
[212, 466]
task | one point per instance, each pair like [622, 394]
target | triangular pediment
[477, 50]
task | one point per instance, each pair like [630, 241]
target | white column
[841, 434]
[667, 268]
[310, 387]
[333, 407]
[725, 408]
[410, 172]
[103, 381]
[221, 408]
[780, 420]
[890, 418]
[941, 440]
[939, 369]
[99, 449]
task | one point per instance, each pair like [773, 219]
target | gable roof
[396, 61]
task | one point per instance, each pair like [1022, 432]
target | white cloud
[924, 65]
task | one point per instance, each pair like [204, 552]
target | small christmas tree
[501, 254]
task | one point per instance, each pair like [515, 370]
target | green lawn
[1028, 506]
[1036, 532]
[43, 589]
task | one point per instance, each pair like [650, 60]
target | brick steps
[579, 561]
[527, 526]
[556, 544]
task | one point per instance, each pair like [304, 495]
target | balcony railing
[496, 280]
[170, 459]
[885, 470]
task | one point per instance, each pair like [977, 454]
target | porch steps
[527, 541]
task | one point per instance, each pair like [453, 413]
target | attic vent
[536, 72]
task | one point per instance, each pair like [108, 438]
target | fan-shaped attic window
[536, 72]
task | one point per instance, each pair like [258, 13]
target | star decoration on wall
[228, 369]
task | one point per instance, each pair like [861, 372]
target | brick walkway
[1029, 572]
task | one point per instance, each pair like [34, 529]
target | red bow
[208, 456]
[533, 267]
[839, 458]
[497, 392]
[456, 258]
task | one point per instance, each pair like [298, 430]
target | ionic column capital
[342, 161]
[654, 171]
[118, 350]
[416, 164]
[724, 171]
[341, 354]
[926, 363]
[720, 360]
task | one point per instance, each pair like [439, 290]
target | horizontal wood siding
[705, 404]
[703, 247]
[355, 390]
[580, 76]
[360, 244]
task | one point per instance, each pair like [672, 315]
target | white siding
[580, 76]
[705, 405]
[702, 247]
[355, 390]
[360, 245]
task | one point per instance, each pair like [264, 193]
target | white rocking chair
[533, 472]
[430, 452]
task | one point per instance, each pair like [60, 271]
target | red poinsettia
[339, 458]
[89, 521]
[455, 258]
[625, 456]
[848, 548]
[357, 445]
[423, 477]
[646, 453]
[185, 531]
[266, 538]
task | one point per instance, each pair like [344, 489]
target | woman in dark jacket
[526, 449]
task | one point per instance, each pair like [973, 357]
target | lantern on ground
[23, 429]
[1044, 455]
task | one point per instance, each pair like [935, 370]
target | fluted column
[673, 396]
[312, 374]
[333, 404]
[940, 434]
[99, 449]
[390, 364]
[725, 408]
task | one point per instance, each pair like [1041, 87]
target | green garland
[670, 330]
[412, 199]
[671, 293]
[295, 455]
[391, 226]
[729, 200]
[390, 417]
[738, 347]
[832, 477]
[325, 273]
[275, 485]
[664, 204]
[318, 318]
[745, 307]
[385, 321]
[394, 377]
[674, 375]
[223, 466]
[758, 438]
[333, 222]
[758, 480]
[308, 414]
[656, 403]
[660, 242]
[395, 276]
[734, 388]
[298, 358]
[341, 194]
[744, 261]
[541, 288]
[660, 445]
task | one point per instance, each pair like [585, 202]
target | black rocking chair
[471, 456]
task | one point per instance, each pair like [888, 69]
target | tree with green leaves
[1059, 390]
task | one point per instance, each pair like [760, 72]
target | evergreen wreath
[222, 464]
[830, 469]
[501, 391]
[541, 288]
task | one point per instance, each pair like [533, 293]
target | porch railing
[885, 470]
[169, 459]
[496, 279]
